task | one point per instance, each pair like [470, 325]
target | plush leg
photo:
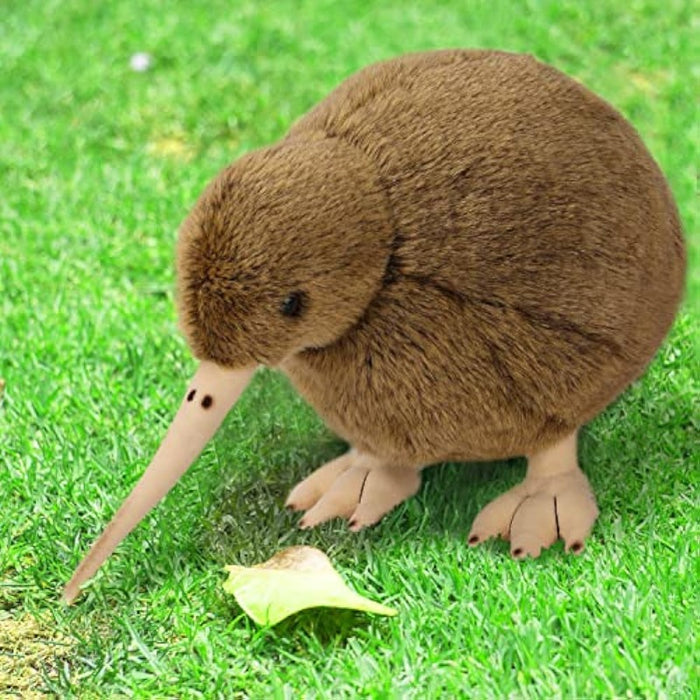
[356, 486]
[554, 501]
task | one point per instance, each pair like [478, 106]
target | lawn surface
[98, 165]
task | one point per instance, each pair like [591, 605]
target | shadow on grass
[246, 521]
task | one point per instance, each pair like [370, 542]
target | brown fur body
[488, 254]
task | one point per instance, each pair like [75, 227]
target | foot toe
[533, 526]
[339, 501]
[577, 512]
[527, 545]
[301, 497]
[382, 490]
[494, 519]
[363, 517]
[355, 525]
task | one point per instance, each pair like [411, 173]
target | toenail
[576, 547]
[517, 552]
[352, 523]
[473, 539]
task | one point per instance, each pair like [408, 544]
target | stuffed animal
[456, 255]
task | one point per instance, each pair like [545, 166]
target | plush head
[283, 251]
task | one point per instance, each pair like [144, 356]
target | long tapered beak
[211, 394]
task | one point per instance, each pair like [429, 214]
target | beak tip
[71, 591]
[68, 597]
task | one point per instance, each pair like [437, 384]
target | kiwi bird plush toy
[456, 255]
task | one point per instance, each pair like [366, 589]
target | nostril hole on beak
[190, 396]
[207, 401]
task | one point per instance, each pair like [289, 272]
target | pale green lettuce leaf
[294, 579]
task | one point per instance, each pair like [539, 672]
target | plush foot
[554, 501]
[355, 486]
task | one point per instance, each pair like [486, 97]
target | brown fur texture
[487, 252]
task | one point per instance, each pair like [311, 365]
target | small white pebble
[140, 62]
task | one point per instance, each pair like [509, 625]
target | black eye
[293, 305]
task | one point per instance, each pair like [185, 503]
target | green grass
[98, 166]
